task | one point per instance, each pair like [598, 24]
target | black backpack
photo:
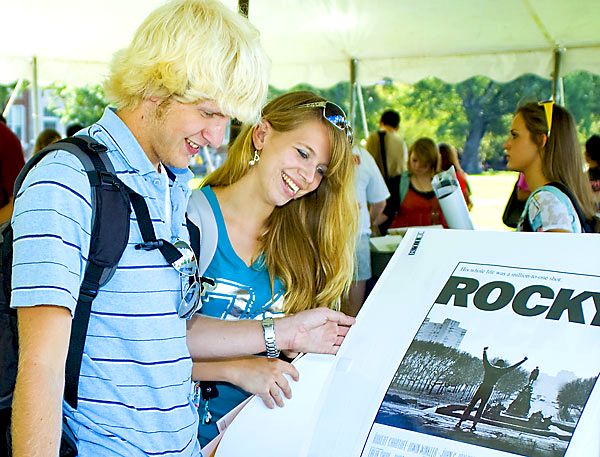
[112, 201]
[111, 211]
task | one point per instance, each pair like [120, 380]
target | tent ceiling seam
[539, 23]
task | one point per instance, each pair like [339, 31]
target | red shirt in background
[11, 162]
[418, 209]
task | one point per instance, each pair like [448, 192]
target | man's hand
[319, 330]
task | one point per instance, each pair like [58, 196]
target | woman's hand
[258, 375]
[266, 378]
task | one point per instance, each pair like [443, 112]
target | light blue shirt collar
[127, 146]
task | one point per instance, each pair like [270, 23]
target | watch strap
[268, 326]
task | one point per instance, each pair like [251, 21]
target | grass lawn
[490, 194]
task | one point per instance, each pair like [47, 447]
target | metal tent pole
[356, 93]
[558, 94]
[353, 83]
[363, 112]
[14, 94]
[36, 99]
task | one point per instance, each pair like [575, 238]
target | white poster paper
[414, 360]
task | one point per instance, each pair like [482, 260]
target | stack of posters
[472, 344]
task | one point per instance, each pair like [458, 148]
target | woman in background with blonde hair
[286, 214]
[418, 205]
[46, 138]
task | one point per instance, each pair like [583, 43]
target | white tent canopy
[314, 41]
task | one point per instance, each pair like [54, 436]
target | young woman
[286, 214]
[543, 146]
[417, 203]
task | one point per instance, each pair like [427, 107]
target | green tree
[582, 99]
[486, 102]
[4, 95]
[474, 115]
[378, 98]
[431, 108]
[83, 105]
[6, 91]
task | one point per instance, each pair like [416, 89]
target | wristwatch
[269, 332]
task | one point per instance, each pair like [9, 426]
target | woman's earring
[255, 159]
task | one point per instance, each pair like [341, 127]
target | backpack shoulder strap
[111, 211]
[585, 225]
[200, 215]
[383, 154]
[78, 146]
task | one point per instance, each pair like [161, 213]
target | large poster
[497, 363]
[472, 344]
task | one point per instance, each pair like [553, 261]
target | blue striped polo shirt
[134, 394]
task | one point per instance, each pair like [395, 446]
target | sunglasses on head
[334, 115]
[548, 110]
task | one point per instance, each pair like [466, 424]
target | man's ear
[151, 104]
[261, 131]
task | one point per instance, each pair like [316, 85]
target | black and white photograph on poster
[502, 362]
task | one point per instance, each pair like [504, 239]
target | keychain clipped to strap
[207, 390]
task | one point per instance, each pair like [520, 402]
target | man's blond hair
[192, 50]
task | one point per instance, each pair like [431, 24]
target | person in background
[449, 157]
[286, 212]
[523, 191]
[11, 162]
[592, 157]
[543, 145]
[393, 154]
[418, 205]
[371, 193]
[46, 138]
[389, 152]
[72, 129]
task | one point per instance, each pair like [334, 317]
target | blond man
[192, 65]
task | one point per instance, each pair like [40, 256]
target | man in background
[387, 148]
[390, 154]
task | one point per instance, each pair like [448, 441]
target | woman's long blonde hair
[308, 243]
